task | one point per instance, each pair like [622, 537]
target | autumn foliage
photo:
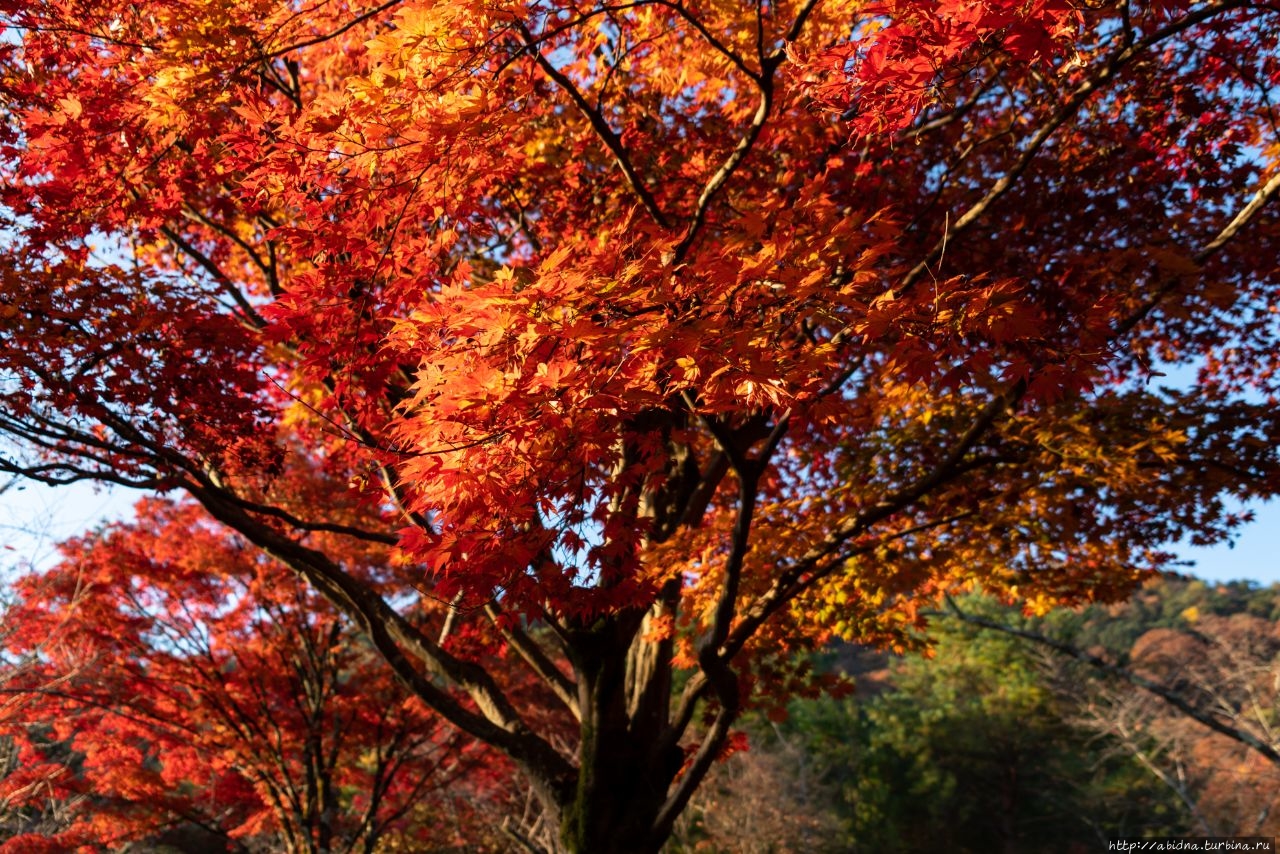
[654, 336]
[181, 682]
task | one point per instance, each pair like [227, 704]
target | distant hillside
[994, 743]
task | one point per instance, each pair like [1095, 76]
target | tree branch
[1077, 99]
[560, 684]
[611, 140]
[1260, 199]
[392, 635]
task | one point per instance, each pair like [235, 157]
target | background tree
[1181, 680]
[773, 798]
[662, 337]
[978, 744]
[987, 740]
[52, 816]
[1222, 660]
[975, 750]
[189, 687]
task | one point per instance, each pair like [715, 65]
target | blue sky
[34, 519]
[1255, 556]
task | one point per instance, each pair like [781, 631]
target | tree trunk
[624, 684]
[616, 805]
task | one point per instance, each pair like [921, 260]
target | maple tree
[176, 681]
[661, 337]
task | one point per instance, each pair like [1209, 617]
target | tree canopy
[654, 339]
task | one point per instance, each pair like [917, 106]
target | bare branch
[560, 684]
